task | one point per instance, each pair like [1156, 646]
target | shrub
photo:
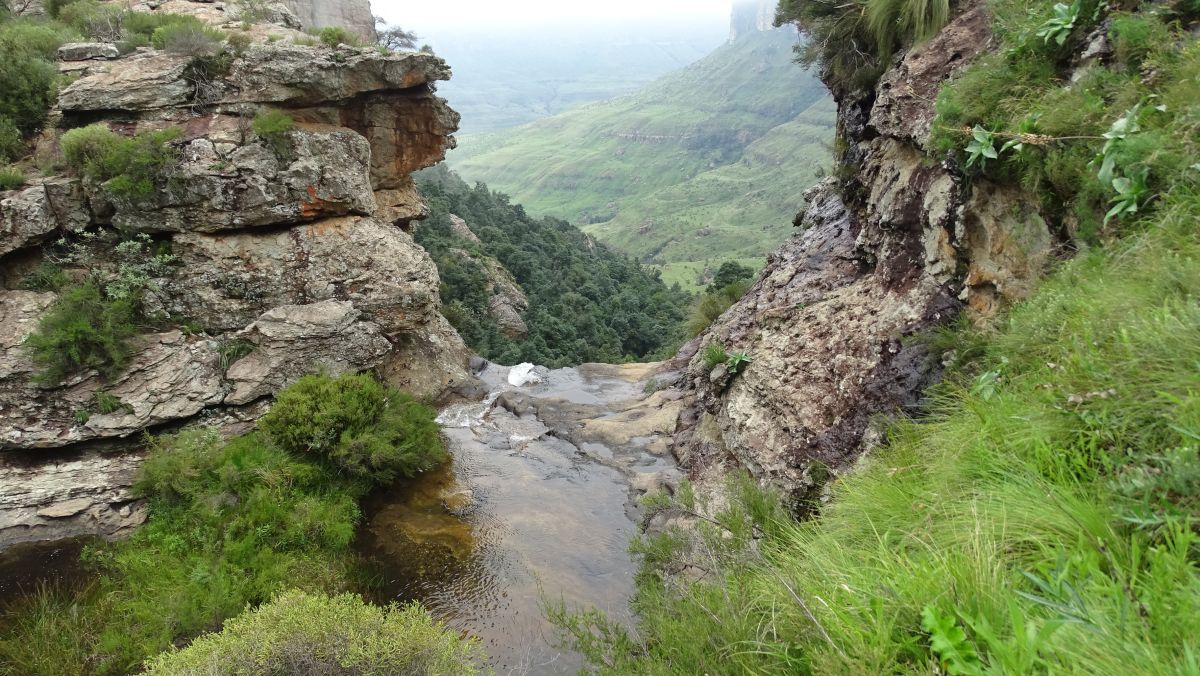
[274, 127]
[95, 20]
[12, 146]
[360, 426]
[395, 38]
[314, 633]
[188, 38]
[713, 304]
[1135, 36]
[129, 167]
[332, 36]
[11, 178]
[27, 77]
[83, 330]
[239, 42]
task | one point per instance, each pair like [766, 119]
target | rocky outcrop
[900, 246]
[354, 15]
[284, 255]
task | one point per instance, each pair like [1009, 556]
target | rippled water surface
[527, 511]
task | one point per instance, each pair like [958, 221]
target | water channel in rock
[539, 503]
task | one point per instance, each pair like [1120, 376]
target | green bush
[11, 178]
[190, 38]
[274, 128]
[96, 20]
[332, 36]
[713, 304]
[313, 633]
[12, 146]
[129, 167]
[1135, 36]
[714, 354]
[28, 77]
[83, 330]
[362, 427]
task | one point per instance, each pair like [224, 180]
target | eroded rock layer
[289, 253]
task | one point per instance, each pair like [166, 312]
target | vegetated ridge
[704, 164]
[519, 288]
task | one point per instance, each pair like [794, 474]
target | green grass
[665, 175]
[231, 523]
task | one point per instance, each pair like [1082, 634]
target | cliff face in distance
[896, 248]
[289, 253]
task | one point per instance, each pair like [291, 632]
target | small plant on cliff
[1058, 27]
[714, 355]
[299, 632]
[362, 427]
[274, 127]
[11, 178]
[187, 38]
[737, 361]
[129, 168]
[332, 36]
[83, 330]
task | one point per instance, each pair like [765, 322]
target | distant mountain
[705, 164]
[507, 76]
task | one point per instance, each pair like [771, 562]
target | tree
[394, 38]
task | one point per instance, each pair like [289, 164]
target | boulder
[316, 174]
[41, 212]
[225, 281]
[295, 340]
[84, 51]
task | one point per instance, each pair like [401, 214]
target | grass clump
[852, 41]
[11, 178]
[128, 167]
[297, 632]
[46, 276]
[364, 428]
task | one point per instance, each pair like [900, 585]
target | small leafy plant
[1059, 26]
[737, 361]
[949, 642]
[1131, 192]
[982, 147]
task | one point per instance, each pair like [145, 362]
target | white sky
[415, 14]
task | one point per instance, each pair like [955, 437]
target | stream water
[530, 510]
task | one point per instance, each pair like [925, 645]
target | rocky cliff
[284, 255]
[897, 246]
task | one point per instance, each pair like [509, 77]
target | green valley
[676, 172]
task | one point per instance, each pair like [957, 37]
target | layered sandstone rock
[829, 323]
[288, 255]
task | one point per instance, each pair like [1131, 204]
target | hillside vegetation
[1044, 517]
[586, 302]
[677, 171]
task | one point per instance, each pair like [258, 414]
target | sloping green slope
[687, 154]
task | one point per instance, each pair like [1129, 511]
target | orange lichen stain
[315, 206]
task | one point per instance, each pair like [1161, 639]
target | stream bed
[538, 504]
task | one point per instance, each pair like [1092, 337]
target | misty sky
[421, 14]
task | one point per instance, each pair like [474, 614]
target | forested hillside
[586, 303]
[676, 172]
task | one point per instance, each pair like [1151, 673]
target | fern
[949, 642]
